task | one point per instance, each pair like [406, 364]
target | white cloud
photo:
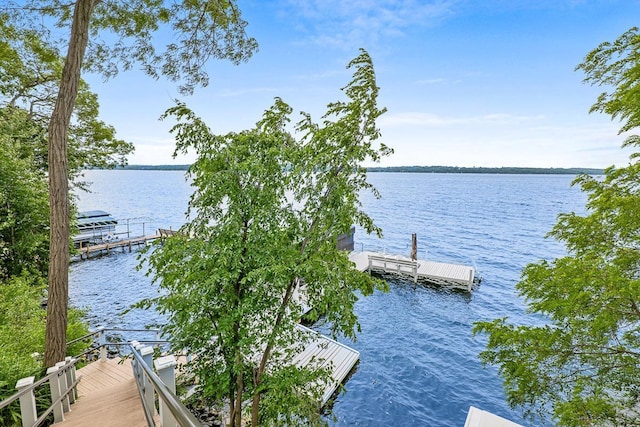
[345, 24]
[159, 152]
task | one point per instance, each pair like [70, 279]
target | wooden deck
[107, 397]
[88, 251]
[451, 275]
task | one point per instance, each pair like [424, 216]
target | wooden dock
[93, 250]
[450, 275]
[107, 397]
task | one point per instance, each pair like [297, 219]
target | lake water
[418, 360]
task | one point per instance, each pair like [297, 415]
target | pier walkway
[450, 275]
[87, 251]
[105, 245]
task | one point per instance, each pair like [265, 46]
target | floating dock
[450, 275]
[479, 418]
[323, 352]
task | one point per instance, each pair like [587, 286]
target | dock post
[56, 392]
[165, 366]
[27, 402]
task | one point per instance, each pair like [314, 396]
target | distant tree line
[502, 170]
[424, 169]
[155, 167]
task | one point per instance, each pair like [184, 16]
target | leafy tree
[582, 366]
[30, 71]
[24, 213]
[267, 210]
[202, 29]
[22, 324]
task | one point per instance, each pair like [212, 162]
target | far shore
[423, 169]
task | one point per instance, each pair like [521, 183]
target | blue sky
[466, 82]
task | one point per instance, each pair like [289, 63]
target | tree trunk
[56, 331]
[255, 409]
[232, 403]
[240, 386]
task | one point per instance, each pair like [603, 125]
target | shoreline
[508, 170]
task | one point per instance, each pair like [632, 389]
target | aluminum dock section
[451, 275]
[479, 418]
[322, 351]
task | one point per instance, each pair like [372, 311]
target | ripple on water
[418, 359]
